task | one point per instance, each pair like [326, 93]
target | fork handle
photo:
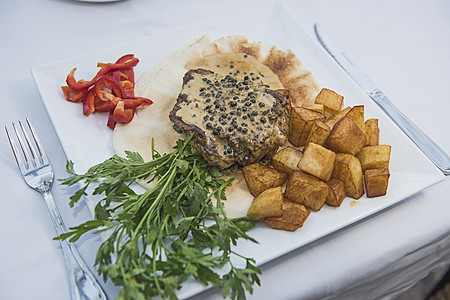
[83, 284]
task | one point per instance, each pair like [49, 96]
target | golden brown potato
[336, 192]
[267, 204]
[315, 107]
[260, 178]
[346, 137]
[317, 161]
[376, 182]
[348, 169]
[319, 133]
[331, 100]
[293, 217]
[307, 190]
[300, 124]
[374, 157]
[372, 132]
[356, 114]
[332, 120]
[286, 160]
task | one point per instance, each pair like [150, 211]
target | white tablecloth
[404, 46]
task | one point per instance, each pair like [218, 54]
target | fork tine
[30, 147]
[25, 153]
[19, 159]
[40, 148]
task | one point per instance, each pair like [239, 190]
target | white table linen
[403, 46]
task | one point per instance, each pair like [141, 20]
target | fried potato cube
[346, 137]
[300, 124]
[315, 107]
[267, 204]
[336, 192]
[372, 132]
[317, 161]
[307, 190]
[286, 160]
[376, 182]
[374, 157]
[331, 100]
[357, 115]
[332, 120]
[319, 133]
[260, 178]
[348, 169]
[293, 217]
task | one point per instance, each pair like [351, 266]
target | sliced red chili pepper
[102, 106]
[111, 123]
[73, 95]
[107, 88]
[116, 75]
[79, 85]
[122, 114]
[128, 88]
[89, 103]
[127, 74]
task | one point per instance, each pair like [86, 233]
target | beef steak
[234, 118]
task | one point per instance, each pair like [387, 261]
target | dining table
[399, 251]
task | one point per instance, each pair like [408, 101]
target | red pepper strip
[107, 88]
[102, 106]
[122, 114]
[127, 74]
[116, 75]
[125, 58]
[128, 88]
[136, 102]
[73, 95]
[111, 123]
[80, 85]
[89, 103]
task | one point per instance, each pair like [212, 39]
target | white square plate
[87, 141]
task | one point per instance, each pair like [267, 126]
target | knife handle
[428, 147]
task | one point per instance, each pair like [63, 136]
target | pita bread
[162, 83]
[294, 76]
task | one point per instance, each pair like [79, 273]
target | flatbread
[162, 84]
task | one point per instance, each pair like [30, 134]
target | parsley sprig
[175, 230]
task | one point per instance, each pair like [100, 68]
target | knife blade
[417, 136]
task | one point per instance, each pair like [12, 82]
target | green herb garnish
[172, 231]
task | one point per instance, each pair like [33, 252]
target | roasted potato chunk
[260, 178]
[348, 169]
[267, 204]
[346, 137]
[356, 114]
[376, 182]
[315, 107]
[332, 120]
[336, 192]
[317, 161]
[286, 160]
[331, 100]
[293, 217]
[307, 190]
[300, 124]
[319, 133]
[372, 132]
[374, 157]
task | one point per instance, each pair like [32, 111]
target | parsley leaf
[175, 230]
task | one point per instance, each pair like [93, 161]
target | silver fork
[38, 174]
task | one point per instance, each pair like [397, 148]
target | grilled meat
[234, 118]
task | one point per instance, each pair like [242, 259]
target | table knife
[423, 142]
